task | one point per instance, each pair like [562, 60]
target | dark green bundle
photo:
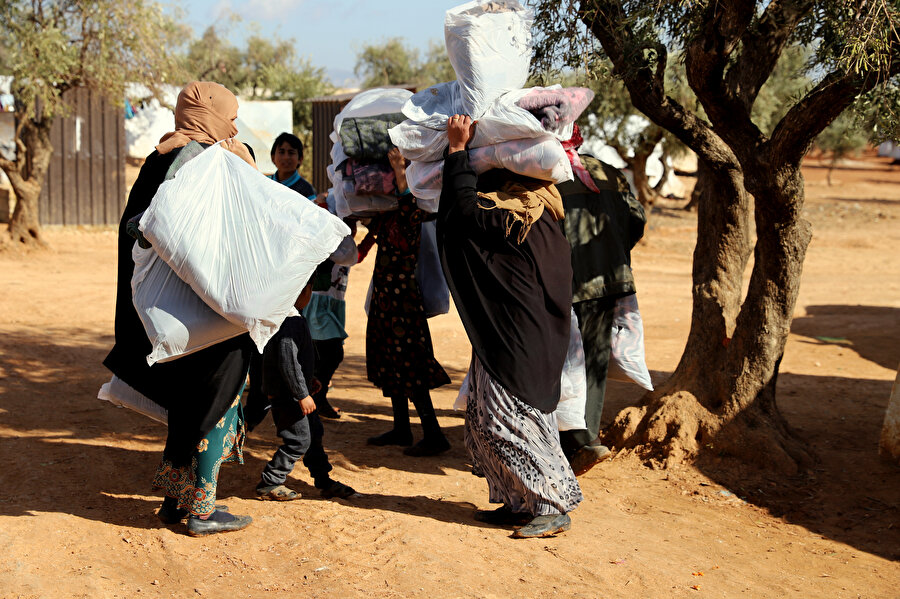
[366, 138]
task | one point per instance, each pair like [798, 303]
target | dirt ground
[77, 513]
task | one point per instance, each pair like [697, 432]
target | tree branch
[608, 22]
[725, 23]
[761, 47]
[796, 131]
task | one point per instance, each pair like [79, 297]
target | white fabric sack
[573, 388]
[120, 393]
[176, 320]
[541, 158]
[372, 102]
[422, 137]
[245, 244]
[489, 46]
[626, 360]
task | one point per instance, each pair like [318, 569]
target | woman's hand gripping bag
[245, 244]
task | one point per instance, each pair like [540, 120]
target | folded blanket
[366, 138]
[370, 177]
[556, 108]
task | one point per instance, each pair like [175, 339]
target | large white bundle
[423, 137]
[347, 201]
[489, 46]
[372, 102]
[176, 320]
[540, 158]
[245, 244]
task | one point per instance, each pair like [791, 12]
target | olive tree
[52, 46]
[722, 393]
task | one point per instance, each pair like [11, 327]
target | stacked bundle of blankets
[361, 176]
[489, 46]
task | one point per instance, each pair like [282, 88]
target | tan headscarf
[205, 113]
[525, 202]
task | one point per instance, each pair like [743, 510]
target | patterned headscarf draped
[205, 113]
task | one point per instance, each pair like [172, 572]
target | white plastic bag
[541, 158]
[422, 137]
[489, 46]
[176, 320]
[626, 360]
[573, 387]
[373, 102]
[245, 244]
[119, 393]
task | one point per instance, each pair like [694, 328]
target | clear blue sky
[328, 32]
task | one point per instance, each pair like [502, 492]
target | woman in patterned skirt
[399, 355]
[201, 391]
[508, 268]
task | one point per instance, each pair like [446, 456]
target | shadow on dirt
[63, 450]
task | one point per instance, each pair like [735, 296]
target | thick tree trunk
[721, 397]
[26, 176]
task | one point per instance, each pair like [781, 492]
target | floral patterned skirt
[516, 447]
[194, 485]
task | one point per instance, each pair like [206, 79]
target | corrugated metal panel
[85, 182]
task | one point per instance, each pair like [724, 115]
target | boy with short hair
[287, 356]
[287, 156]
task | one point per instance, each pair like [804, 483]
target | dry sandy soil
[77, 513]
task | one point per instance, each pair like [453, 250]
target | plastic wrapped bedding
[541, 158]
[176, 320]
[370, 103]
[489, 46]
[243, 242]
[422, 137]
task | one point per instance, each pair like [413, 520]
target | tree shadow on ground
[850, 495]
[870, 331]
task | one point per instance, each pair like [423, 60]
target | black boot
[434, 442]
[401, 434]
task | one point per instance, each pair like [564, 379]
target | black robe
[514, 299]
[196, 389]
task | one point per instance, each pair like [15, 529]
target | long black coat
[196, 389]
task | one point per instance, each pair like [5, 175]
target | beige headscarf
[525, 202]
[205, 113]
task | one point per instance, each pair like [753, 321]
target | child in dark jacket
[287, 356]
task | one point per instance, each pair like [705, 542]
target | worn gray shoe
[544, 526]
[587, 457]
[217, 522]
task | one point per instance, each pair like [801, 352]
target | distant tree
[267, 68]
[393, 63]
[721, 396]
[388, 63]
[614, 119]
[56, 45]
[842, 138]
